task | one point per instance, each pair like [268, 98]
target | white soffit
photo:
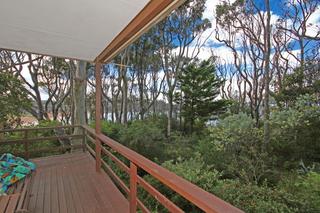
[77, 29]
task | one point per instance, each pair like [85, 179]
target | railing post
[84, 139]
[98, 114]
[26, 145]
[98, 155]
[133, 188]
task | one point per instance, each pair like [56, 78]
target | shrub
[253, 198]
[47, 123]
[306, 188]
[194, 170]
[234, 146]
[110, 129]
[145, 138]
[295, 132]
[249, 197]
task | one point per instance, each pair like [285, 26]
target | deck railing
[30, 136]
[100, 145]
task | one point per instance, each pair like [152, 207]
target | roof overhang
[95, 30]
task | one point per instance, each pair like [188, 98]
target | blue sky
[277, 9]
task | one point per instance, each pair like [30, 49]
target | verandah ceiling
[78, 29]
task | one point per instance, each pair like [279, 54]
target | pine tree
[199, 89]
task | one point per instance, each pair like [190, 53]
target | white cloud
[209, 36]
[313, 24]
[224, 53]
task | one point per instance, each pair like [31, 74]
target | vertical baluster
[133, 188]
[26, 145]
[84, 139]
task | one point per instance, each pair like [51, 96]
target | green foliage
[180, 146]
[302, 81]
[233, 162]
[295, 132]
[306, 189]
[249, 197]
[199, 88]
[149, 134]
[194, 170]
[143, 136]
[111, 129]
[48, 123]
[253, 198]
[235, 147]
[226, 12]
[13, 97]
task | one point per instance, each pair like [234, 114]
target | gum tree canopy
[13, 97]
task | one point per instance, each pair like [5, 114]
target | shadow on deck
[70, 183]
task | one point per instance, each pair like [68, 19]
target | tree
[238, 26]
[79, 94]
[297, 25]
[180, 39]
[13, 97]
[199, 88]
[55, 81]
[267, 78]
[41, 76]
[303, 80]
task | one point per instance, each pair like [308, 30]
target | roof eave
[151, 14]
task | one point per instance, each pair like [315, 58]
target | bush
[249, 197]
[253, 198]
[47, 123]
[110, 129]
[145, 138]
[295, 133]
[235, 147]
[306, 188]
[180, 146]
[194, 170]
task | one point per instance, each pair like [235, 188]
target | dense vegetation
[229, 159]
[13, 98]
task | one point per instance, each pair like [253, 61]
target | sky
[212, 45]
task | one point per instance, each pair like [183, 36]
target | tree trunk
[79, 96]
[267, 51]
[170, 110]
[1, 127]
[125, 100]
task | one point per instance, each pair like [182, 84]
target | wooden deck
[69, 183]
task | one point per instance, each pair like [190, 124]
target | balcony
[84, 180]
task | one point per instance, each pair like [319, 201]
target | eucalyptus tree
[79, 79]
[180, 39]
[13, 98]
[147, 71]
[47, 81]
[19, 63]
[245, 27]
[239, 28]
[297, 24]
[55, 80]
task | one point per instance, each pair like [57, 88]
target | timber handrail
[27, 139]
[199, 197]
[39, 128]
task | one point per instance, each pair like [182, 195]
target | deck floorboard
[69, 183]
